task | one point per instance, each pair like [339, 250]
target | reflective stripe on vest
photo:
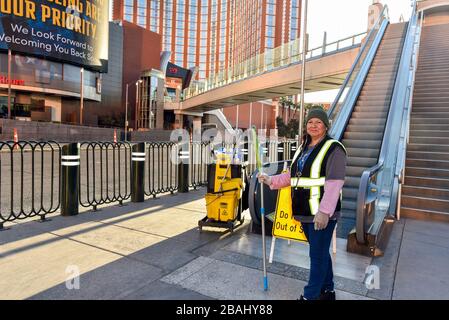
[307, 182]
[315, 182]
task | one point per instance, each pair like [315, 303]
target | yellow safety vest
[315, 181]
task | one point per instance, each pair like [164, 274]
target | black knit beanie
[319, 113]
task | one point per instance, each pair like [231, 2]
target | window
[141, 21]
[142, 11]
[128, 10]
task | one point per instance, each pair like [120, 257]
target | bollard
[138, 172]
[183, 171]
[265, 152]
[293, 147]
[70, 170]
[280, 151]
[245, 152]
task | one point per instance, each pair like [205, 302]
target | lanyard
[302, 160]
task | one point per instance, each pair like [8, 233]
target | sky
[341, 19]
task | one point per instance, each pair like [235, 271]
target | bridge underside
[325, 73]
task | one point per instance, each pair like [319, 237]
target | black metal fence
[29, 179]
[160, 172]
[104, 173]
[39, 178]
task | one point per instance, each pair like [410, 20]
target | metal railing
[351, 87]
[29, 179]
[379, 184]
[200, 157]
[104, 173]
[282, 56]
[39, 178]
[161, 173]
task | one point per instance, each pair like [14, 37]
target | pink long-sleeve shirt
[335, 172]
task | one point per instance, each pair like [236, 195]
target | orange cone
[16, 139]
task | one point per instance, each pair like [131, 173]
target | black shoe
[327, 295]
[301, 297]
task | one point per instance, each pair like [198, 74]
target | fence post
[183, 169]
[70, 171]
[293, 147]
[280, 146]
[138, 172]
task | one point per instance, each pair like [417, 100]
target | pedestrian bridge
[274, 73]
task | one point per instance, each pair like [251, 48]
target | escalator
[364, 132]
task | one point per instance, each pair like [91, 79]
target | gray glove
[321, 220]
[264, 178]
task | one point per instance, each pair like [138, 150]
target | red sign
[16, 82]
[173, 70]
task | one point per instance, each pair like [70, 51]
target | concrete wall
[438, 15]
[44, 131]
[152, 135]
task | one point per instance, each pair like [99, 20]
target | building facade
[214, 34]
[45, 90]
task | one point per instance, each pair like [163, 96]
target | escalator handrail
[383, 15]
[403, 139]
[342, 117]
[393, 118]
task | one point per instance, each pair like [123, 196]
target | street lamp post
[9, 84]
[303, 71]
[126, 106]
[81, 94]
[126, 112]
[137, 101]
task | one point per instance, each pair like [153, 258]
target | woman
[316, 176]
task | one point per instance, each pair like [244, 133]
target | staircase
[425, 193]
[364, 133]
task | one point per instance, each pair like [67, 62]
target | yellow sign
[284, 225]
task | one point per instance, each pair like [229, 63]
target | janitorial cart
[225, 189]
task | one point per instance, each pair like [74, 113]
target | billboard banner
[73, 31]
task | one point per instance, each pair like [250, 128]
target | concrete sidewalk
[154, 250]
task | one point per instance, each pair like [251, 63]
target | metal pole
[81, 95]
[126, 113]
[183, 168]
[250, 115]
[70, 169]
[237, 118]
[9, 84]
[303, 70]
[138, 172]
[137, 105]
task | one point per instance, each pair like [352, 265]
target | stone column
[197, 128]
[179, 120]
[160, 104]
